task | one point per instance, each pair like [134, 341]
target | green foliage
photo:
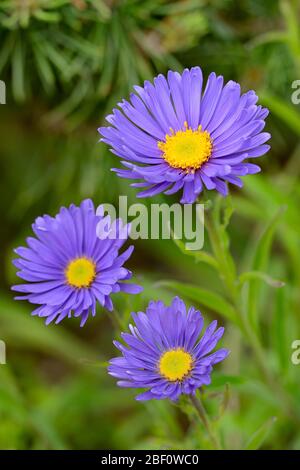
[83, 53]
[257, 439]
[65, 64]
[204, 297]
[259, 263]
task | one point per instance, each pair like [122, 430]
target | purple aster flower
[173, 137]
[68, 268]
[164, 353]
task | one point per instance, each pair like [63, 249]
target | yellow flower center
[187, 149]
[175, 364]
[80, 272]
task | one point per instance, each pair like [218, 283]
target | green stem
[116, 320]
[198, 405]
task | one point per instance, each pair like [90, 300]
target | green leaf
[18, 72]
[258, 438]
[19, 329]
[6, 50]
[47, 430]
[58, 59]
[47, 16]
[228, 212]
[219, 380]
[204, 297]
[289, 10]
[279, 328]
[260, 262]
[44, 69]
[199, 256]
[225, 401]
[267, 38]
[258, 275]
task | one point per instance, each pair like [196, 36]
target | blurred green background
[65, 64]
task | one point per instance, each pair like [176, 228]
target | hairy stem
[198, 405]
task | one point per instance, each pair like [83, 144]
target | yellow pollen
[175, 364]
[80, 272]
[186, 149]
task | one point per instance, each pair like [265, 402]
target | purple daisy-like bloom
[173, 137]
[164, 353]
[68, 268]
